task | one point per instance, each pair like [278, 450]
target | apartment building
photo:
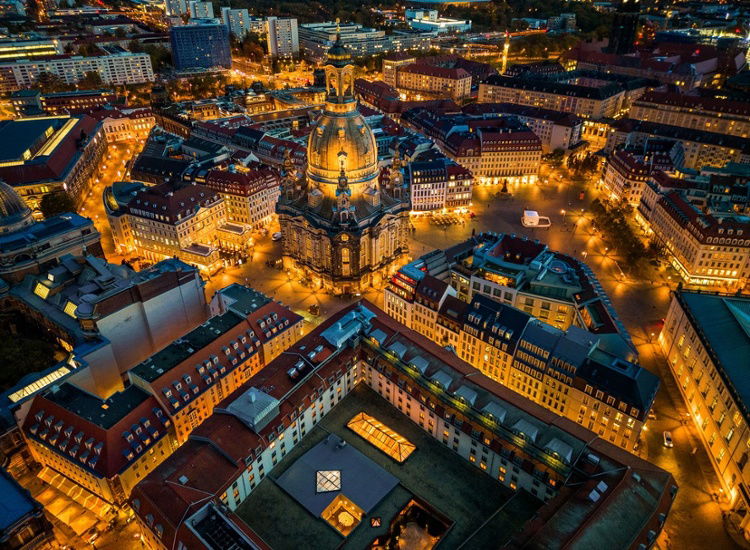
[555, 129]
[705, 338]
[624, 177]
[241, 23]
[201, 44]
[700, 147]
[722, 116]
[16, 48]
[187, 221]
[436, 183]
[392, 63]
[126, 125]
[197, 371]
[707, 248]
[420, 80]
[282, 37]
[513, 348]
[200, 10]
[495, 150]
[115, 69]
[103, 446]
[250, 195]
[34, 102]
[526, 274]
[588, 95]
[362, 354]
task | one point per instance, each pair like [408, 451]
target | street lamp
[563, 215]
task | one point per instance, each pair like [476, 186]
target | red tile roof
[102, 436]
[173, 202]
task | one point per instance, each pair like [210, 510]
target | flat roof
[104, 413]
[361, 480]
[185, 347]
[723, 323]
[18, 136]
[16, 502]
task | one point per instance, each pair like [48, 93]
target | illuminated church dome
[341, 139]
[14, 214]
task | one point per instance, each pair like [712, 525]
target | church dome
[14, 214]
[341, 137]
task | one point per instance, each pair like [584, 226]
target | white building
[283, 39]
[430, 20]
[201, 10]
[114, 69]
[241, 23]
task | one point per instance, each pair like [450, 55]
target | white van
[531, 218]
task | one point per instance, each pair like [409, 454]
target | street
[641, 301]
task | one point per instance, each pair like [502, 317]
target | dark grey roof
[362, 481]
[723, 324]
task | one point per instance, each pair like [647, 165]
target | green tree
[92, 80]
[87, 49]
[55, 203]
[49, 82]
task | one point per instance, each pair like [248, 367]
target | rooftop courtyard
[484, 513]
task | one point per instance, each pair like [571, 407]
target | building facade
[703, 338]
[282, 37]
[439, 184]
[201, 44]
[50, 155]
[588, 95]
[250, 196]
[115, 69]
[187, 221]
[495, 149]
[339, 228]
[707, 249]
[361, 353]
[104, 446]
[197, 371]
[722, 116]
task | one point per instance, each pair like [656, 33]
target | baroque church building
[340, 229]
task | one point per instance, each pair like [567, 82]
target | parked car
[651, 415]
[276, 236]
[668, 440]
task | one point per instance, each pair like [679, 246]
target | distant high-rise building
[202, 44]
[624, 26]
[283, 40]
[175, 8]
[201, 10]
[240, 22]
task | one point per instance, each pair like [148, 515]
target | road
[641, 302]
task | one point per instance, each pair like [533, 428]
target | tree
[57, 202]
[91, 81]
[49, 82]
[88, 49]
[252, 47]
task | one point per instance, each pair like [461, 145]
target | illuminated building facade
[575, 373]
[340, 229]
[187, 221]
[42, 155]
[707, 248]
[361, 353]
[104, 446]
[197, 371]
[705, 340]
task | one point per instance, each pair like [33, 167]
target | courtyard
[481, 510]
